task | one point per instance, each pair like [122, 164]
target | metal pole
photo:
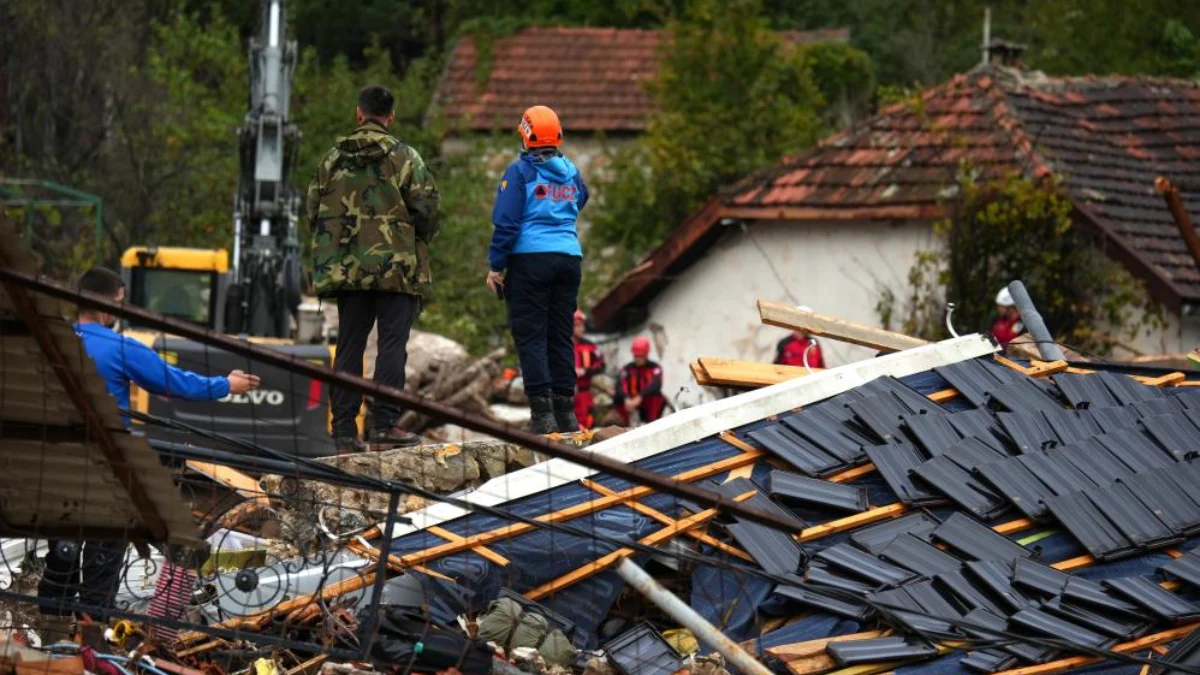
[1033, 321]
[685, 615]
[435, 409]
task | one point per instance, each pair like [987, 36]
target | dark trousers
[357, 313]
[542, 291]
[92, 583]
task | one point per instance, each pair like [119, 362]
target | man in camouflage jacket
[373, 209]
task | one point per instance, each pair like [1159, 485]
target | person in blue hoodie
[536, 265]
[119, 360]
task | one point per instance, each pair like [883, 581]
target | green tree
[1018, 228]
[730, 98]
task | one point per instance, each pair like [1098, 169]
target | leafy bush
[1018, 228]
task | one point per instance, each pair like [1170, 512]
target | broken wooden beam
[1063, 665]
[596, 567]
[810, 657]
[820, 325]
[667, 520]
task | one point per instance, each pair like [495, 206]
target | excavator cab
[188, 284]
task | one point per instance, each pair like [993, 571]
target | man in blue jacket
[536, 264]
[119, 360]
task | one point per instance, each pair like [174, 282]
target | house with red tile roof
[595, 78]
[837, 227]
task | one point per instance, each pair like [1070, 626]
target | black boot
[564, 414]
[542, 418]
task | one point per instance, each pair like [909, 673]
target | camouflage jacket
[373, 210]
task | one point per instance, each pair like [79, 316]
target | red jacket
[1005, 330]
[790, 352]
[635, 380]
[589, 358]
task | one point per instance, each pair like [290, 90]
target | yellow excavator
[254, 293]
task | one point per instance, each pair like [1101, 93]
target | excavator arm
[264, 292]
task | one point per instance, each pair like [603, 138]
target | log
[465, 389]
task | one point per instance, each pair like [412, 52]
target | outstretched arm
[148, 371]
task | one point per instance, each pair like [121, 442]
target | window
[179, 294]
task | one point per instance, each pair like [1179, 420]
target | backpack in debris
[408, 642]
[557, 650]
[510, 625]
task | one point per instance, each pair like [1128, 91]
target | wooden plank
[1014, 526]
[1036, 368]
[668, 520]
[748, 374]
[1168, 380]
[851, 522]
[943, 395]
[653, 539]
[484, 551]
[700, 376]
[233, 479]
[1074, 563]
[586, 508]
[800, 650]
[852, 474]
[782, 316]
[1063, 665]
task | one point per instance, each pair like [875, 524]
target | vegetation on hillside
[138, 101]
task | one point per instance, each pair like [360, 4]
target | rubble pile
[308, 509]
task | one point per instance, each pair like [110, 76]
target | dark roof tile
[1108, 138]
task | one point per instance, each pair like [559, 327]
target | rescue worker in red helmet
[589, 362]
[639, 387]
[536, 264]
[1007, 325]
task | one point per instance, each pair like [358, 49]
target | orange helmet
[580, 317]
[641, 347]
[540, 128]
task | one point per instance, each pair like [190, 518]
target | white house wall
[1181, 335]
[835, 268]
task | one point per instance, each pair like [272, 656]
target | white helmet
[1004, 298]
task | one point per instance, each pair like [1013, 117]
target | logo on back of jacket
[555, 193]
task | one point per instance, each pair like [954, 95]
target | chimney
[1003, 53]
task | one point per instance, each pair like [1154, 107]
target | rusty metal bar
[688, 617]
[96, 430]
[1182, 219]
[440, 411]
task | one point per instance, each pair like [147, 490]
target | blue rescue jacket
[537, 204]
[121, 359]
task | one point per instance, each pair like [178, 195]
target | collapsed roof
[983, 496]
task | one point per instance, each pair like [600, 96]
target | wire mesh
[445, 557]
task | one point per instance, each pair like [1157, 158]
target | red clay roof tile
[1107, 138]
[594, 78]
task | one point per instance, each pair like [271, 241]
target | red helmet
[540, 128]
[580, 317]
[641, 347]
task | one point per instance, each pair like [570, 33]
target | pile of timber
[467, 387]
[441, 370]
